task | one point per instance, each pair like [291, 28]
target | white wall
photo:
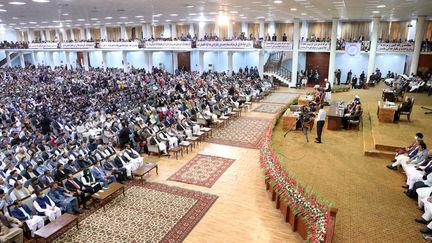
[136, 59]
[8, 34]
[301, 61]
[194, 61]
[355, 64]
[164, 57]
[219, 60]
[390, 62]
[96, 58]
[114, 59]
[243, 59]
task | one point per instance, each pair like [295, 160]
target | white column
[304, 30]
[51, 60]
[174, 30]
[35, 58]
[144, 31]
[201, 61]
[230, 30]
[417, 44]
[261, 33]
[85, 61]
[68, 61]
[373, 46]
[216, 30]
[166, 31]
[104, 60]
[271, 28]
[201, 30]
[56, 35]
[88, 34]
[332, 62]
[244, 29]
[175, 60]
[123, 34]
[230, 61]
[412, 30]
[295, 54]
[47, 35]
[72, 34]
[261, 63]
[82, 34]
[103, 31]
[149, 31]
[191, 30]
[18, 35]
[148, 56]
[30, 35]
[8, 60]
[125, 61]
[21, 58]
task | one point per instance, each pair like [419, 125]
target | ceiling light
[31, 22]
[1, 5]
[243, 17]
[234, 12]
[277, 1]
[15, 18]
[293, 9]
[189, 6]
[182, 19]
[108, 17]
[155, 21]
[212, 13]
[157, 15]
[87, 24]
[41, 1]
[3, 10]
[376, 12]
[80, 20]
[192, 14]
[139, 16]
[94, 19]
[56, 21]
[65, 14]
[123, 17]
[168, 20]
[44, 22]
[173, 15]
[222, 20]
[17, 3]
[303, 14]
[381, 6]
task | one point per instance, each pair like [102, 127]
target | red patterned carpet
[242, 132]
[202, 170]
[268, 108]
[151, 212]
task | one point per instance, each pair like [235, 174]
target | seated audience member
[353, 116]
[101, 175]
[30, 173]
[404, 107]
[119, 172]
[83, 163]
[79, 189]
[403, 158]
[420, 157]
[71, 166]
[15, 177]
[60, 173]
[4, 202]
[90, 181]
[46, 207]
[3, 185]
[418, 136]
[67, 203]
[23, 213]
[418, 172]
[35, 185]
[19, 192]
[47, 178]
[8, 233]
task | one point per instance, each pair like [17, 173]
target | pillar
[123, 34]
[47, 35]
[272, 28]
[125, 61]
[261, 63]
[35, 58]
[332, 62]
[230, 61]
[88, 34]
[42, 35]
[104, 60]
[21, 58]
[8, 60]
[244, 29]
[417, 44]
[175, 61]
[148, 56]
[192, 30]
[261, 33]
[72, 34]
[30, 35]
[174, 31]
[103, 31]
[216, 30]
[51, 60]
[373, 46]
[201, 61]
[82, 34]
[85, 61]
[295, 53]
[149, 31]
[230, 30]
[18, 35]
[201, 30]
[304, 30]
[68, 61]
[166, 31]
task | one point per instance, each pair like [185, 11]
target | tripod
[304, 126]
[429, 110]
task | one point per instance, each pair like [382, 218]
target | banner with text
[168, 44]
[77, 45]
[278, 45]
[118, 45]
[43, 45]
[224, 44]
[314, 46]
[403, 47]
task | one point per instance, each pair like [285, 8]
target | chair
[355, 122]
[153, 148]
[408, 113]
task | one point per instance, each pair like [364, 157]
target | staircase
[274, 68]
[12, 56]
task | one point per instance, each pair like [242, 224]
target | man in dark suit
[119, 173]
[47, 178]
[124, 136]
[74, 185]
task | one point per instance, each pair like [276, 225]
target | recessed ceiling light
[376, 12]
[65, 14]
[260, 17]
[80, 20]
[192, 14]
[41, 1]
[381, 6]
[17, 3]
[139, 16]
[243, 17]
[189, 6]
[68, 20]
[94, 19]
[1, 5]
[277, 1]
[56, 21]
[234, 12]
[108, 17]
[303, 14]
[15, 18]
[31, 22]
[87, 24]
[168, 20]
[3, 10]
[173, 15]
[293, 9]
[155, 21]
[123, 17]
[212, 13]
[44, 22]
[182, 19]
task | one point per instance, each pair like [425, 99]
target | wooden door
[318, 61]
[184, 60]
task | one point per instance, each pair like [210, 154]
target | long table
[334, 117]
[386, 111]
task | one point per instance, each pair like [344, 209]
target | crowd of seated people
[416, 162]
[58, 123]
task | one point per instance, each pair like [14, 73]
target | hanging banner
[353, 49]
[395, 47]
[168, 44]
[77, 45]
[50, 45]
[314, 46]
[224, 44]
[118, 45]
[285, 45]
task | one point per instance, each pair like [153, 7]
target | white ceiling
[85, 13]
